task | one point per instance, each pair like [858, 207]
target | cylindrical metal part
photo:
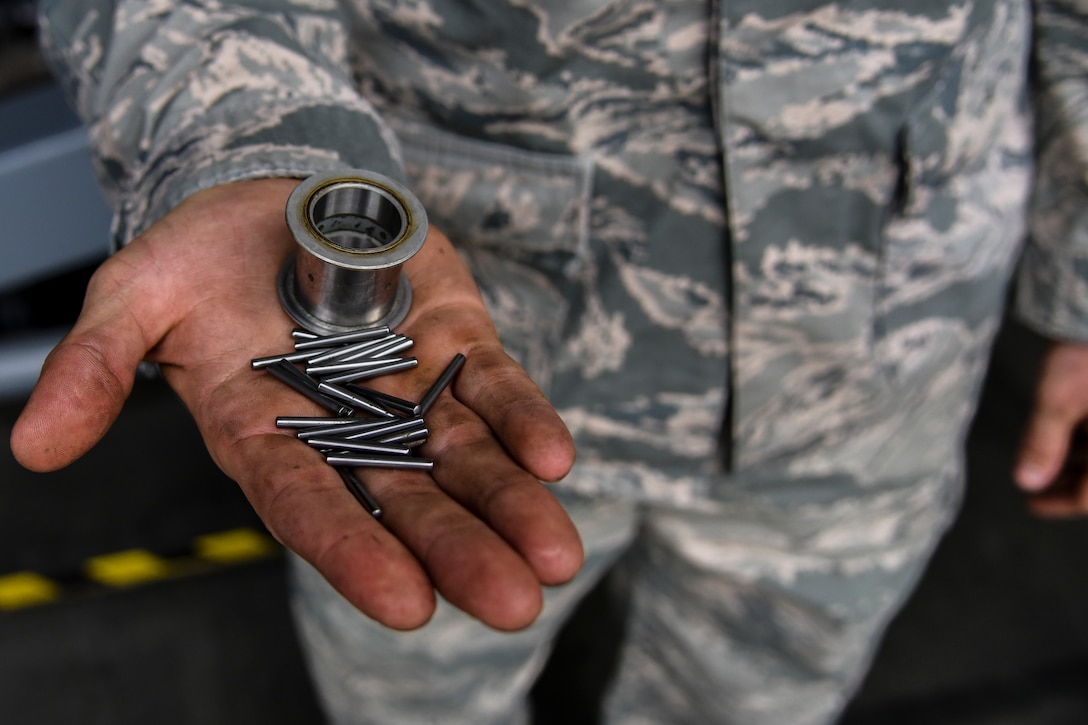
[337, 368]
[355, 229]
[378, 433]
[385, 348]
[311, 421]
[336, 444]
[358, 490]
[407, 438]
[335, 391]
[386, 369]
[390, 402]
[317, 341]
[439, 385]
[336, 353]
[343, 430]
[291, 357]
[293, 377]
[364, 461]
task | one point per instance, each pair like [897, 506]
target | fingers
[449, 315]
[482, 526]
[473, 567]
[1067, 494]
[515, 408]
[1061, 404]
[482, 531]
[86, 379]
[304, 504]
[431, 536]
[388, 569]
[494, 435]
[1044, 447]
[497, 390]
[476, 471]
[135, 299]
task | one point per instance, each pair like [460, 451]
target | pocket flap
[487, 194]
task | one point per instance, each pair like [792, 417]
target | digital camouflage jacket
[745, 245]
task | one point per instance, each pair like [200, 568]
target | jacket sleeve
[183, 95]
[1052, 289]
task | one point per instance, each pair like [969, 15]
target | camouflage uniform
[755, 251]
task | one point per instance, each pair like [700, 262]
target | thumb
[87, 377]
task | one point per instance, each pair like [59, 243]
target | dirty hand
[1051, 464]
[196, 294]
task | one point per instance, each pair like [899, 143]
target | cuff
[226, 145]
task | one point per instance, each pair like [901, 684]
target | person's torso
[807, 208]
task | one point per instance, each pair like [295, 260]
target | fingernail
[1031, 478]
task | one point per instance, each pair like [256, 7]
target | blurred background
[137, 586]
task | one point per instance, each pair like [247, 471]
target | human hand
[1051, 463]
[196, 293]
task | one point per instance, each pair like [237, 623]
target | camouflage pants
[711, 636]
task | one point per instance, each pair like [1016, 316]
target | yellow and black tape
[133, 567]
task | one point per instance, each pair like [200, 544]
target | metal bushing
[354, 230]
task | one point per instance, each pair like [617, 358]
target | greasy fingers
[477, 471]
[494, 434]
[485, 536]
[449, 316]
[304, 504]
[303, 501]
[513, 406]
[389, 570]
[76, 400]
[86, 379]
[469, 564]
[495, 388]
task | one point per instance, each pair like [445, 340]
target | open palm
[196, 294]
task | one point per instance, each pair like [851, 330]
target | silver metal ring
[355, 229]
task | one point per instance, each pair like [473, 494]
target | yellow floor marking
[228, 547]
[26, 589]
[125, 568]
[138, 566]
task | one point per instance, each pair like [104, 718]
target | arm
[1053, 281]
[186, 95]
[195, 292]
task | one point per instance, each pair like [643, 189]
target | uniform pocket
[520, 219]
[956, 229]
